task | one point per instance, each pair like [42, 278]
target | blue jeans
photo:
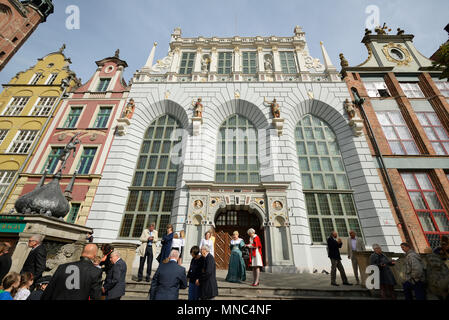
[194, 291]
[418, 287]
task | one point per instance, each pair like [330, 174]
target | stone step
[184, 296]
[225, 289]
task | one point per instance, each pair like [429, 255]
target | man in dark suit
[79, 280]
[5, 259]
[114, 286]
[333, 252]
[168, 279]
[37, 258]
[208, 279]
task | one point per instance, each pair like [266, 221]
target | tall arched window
[237, 159]
[329, 200]
[154, 183]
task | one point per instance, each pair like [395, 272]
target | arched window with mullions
[237, 160]
[328, 196]
[153, 186]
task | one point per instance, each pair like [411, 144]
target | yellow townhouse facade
[27, 105]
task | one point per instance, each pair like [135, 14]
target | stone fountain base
[18, 229]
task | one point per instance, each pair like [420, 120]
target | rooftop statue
[383, 29]
[343, 61]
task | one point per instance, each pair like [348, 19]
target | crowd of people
[104, 278]
[201, 276]
[92, 277]
[421, 274]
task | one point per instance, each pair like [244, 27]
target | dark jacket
[89, 284]
[166, 282]
[166, 246]
[5, 265]
[35, 295]
[333, 248]
[35, 262]
[116, 283]
[196, 267]
[107, 264]
[208, 280]
[383, 263]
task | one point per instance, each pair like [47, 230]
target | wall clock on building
[397, 53]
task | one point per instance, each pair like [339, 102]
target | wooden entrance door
[222, 249]
[225, 224]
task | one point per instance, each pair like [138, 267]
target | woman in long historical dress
[255, 258]
[236, 269]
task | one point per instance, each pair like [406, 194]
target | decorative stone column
[196, 73]
[277, 234]
[213, 64]
[127, 253]
[237, 64]
[300, 58]
[276, 64]
[174, 68]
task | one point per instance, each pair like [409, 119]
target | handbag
[245, 253]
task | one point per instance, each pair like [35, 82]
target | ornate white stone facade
[313, 89]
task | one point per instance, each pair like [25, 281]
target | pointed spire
[149, 63]
[327, 61]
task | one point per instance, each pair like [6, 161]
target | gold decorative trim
[386, 49]
[370, 54]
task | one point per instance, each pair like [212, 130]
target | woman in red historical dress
[255, 258]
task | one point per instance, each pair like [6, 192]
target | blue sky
[133, 26]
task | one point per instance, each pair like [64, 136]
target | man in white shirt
[355, 244]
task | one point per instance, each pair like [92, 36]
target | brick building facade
[18, 20]
[406, 117]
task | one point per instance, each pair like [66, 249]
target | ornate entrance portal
[226, 223]
[230, 208]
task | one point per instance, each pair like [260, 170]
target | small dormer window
[103, 84]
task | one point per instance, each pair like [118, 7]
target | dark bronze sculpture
[48, 199]
[71, 146]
